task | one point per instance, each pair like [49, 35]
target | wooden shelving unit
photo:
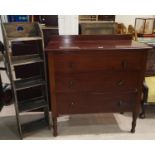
[26, 68]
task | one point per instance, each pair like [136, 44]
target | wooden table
[95, 74]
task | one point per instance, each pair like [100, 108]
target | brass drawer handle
[120, 83]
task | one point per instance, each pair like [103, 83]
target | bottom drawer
[73, 103]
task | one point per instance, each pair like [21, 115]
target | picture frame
[144, 25]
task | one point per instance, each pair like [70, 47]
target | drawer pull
[72, 103]
[120, 103]
[120, 83]
[70, 84]
[124, 65]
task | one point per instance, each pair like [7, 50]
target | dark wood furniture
[47, 20]
[95, 74]
[106, 17]
[49, 25]
[48, 32]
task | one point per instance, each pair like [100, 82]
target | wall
[68, 24]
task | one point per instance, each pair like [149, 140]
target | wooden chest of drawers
[94, 74]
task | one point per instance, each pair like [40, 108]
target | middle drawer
[97, 81]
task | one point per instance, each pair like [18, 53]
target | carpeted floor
[93, 126]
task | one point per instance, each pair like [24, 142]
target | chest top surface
[92, 42]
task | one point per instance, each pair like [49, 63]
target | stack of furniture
[26, 69]
[95, 74]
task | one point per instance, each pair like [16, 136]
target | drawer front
[99, 82]
[71, 103]
[103, 61]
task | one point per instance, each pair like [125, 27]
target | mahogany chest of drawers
[95, 74]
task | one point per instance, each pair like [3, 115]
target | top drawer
[103, 61]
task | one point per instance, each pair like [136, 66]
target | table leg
[55, 133]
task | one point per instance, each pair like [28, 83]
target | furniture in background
[145, 33]
[97, 24]
[145, 27]
[48, 32]
[95, 74]
[18, 18]
[97, 28]
[47, 20]
[96, 17]
[49, 25]
[150, 71]
[101, 28]
[26, 69]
